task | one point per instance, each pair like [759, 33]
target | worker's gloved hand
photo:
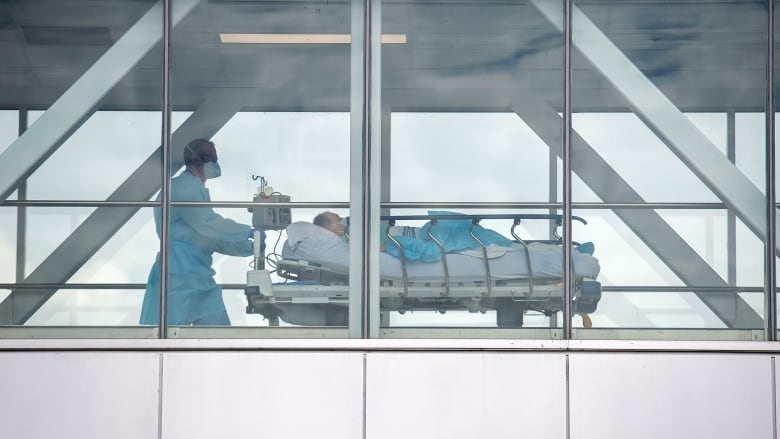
[252, 231]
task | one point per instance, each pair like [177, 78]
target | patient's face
[335, 225]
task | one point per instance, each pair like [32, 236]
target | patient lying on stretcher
[510, 279]
[340, 226]
[455, 236]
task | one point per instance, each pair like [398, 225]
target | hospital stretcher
[512, 281]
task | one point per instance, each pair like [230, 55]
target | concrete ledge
[99, 343]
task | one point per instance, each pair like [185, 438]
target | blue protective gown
[195, 233]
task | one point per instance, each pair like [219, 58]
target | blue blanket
[452, 233]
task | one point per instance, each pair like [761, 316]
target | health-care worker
[195, 233]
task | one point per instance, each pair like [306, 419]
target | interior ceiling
[469, 55]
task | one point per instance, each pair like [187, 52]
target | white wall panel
[465, 395]
[654, 395]
[275, 395]
[452, 395]
[78, 395]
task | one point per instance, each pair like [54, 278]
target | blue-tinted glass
[668, 109]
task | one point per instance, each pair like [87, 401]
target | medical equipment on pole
[267, 214]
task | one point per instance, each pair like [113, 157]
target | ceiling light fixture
[302, 38]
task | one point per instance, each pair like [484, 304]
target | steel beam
[664, 118]
[650, 227]
[142, 184]
[602, 179]
[78, 103]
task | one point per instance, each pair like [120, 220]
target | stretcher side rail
[475, 219]
[325, 285]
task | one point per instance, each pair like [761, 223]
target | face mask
[345, 226]
[211, 170]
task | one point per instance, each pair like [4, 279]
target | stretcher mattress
[309, 242]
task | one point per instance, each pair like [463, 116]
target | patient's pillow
[314, 243]
[301, 230]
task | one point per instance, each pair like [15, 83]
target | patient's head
[330, 221]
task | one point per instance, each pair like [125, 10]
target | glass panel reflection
[471, 104]
[9, 127]
[83, 82]
[668, 107]
[8, 240]
[107, 288]
[269, 85]
[774, 86]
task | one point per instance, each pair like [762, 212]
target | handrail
[388, 205]
[459, 216]
[237, 286]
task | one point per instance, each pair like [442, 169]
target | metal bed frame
[324, 289]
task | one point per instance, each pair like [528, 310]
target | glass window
[775, 88]
[9, 127]
[668, 151]
[84, 78]
[471, 96]
[268, 84]
[467, 113]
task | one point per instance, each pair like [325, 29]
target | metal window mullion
[552, 167]
[731, 217]
[374, 162]
[370, 190]
[566, 156]
[365, 280]
[365, 190]
[358, 126]
[21, 213]
[166, 171]
[21, 218]
[770, 296]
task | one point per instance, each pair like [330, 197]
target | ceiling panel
[701, 54]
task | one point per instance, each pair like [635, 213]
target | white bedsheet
[306, 241]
